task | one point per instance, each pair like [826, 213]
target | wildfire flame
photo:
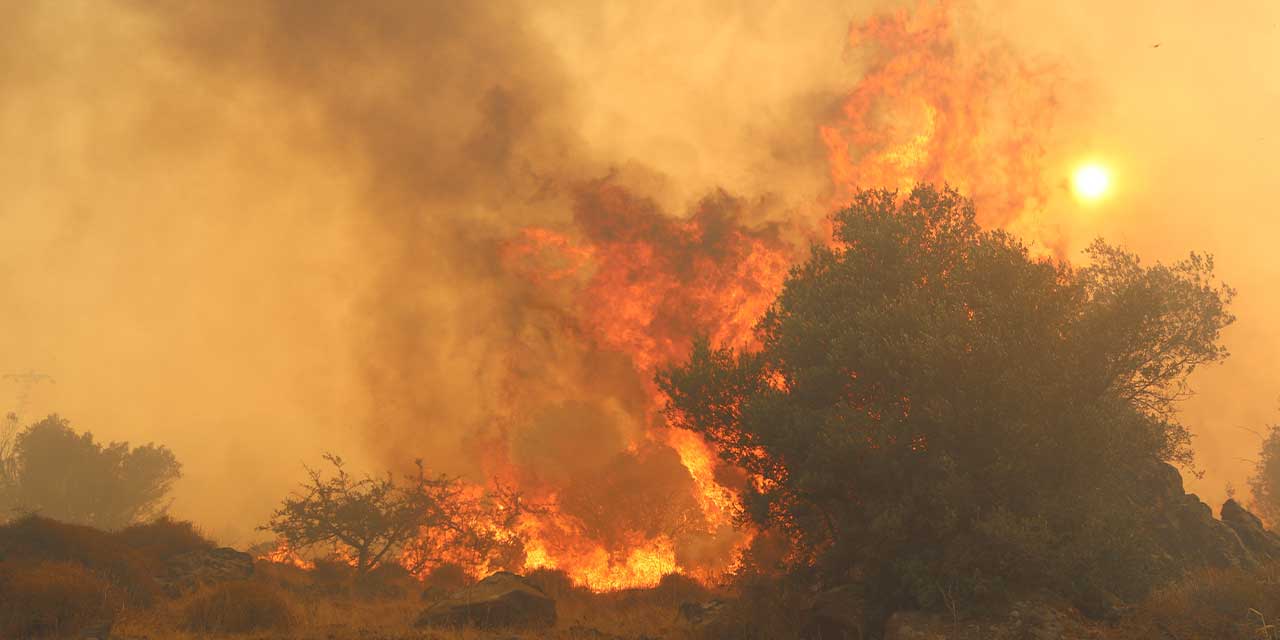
[630, 280]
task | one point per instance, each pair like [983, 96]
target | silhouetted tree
[941, 413]
[8, 458]
[1264, 484]
[368, 517]
[65, 475]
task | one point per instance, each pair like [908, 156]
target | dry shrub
[1214, 604]
[282, 574]
[674, 589]
[449, 577]
[764, 609]
[387, 580]
[53, 599]
[238, 607]
[332, 576]
[37, 539]
[164, 538]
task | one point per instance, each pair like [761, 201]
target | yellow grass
[327, 617]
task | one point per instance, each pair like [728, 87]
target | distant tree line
[49, 469]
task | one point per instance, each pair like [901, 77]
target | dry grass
[1215, 604]
[238, 607]
[36, 539]
[53, 599]
[164, 538]
[318, 614]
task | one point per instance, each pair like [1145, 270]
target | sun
[1091, 182]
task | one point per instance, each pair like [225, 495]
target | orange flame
[629, 280]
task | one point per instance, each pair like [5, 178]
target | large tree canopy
[939, 412]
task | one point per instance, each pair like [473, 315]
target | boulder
[205, 567]
[1263, 545]
[1189, 534]
[500, 601]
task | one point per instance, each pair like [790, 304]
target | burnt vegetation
[942, 435]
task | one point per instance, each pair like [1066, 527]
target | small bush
[332, 576]
[282, 574]
[675, 588]
[387, 580]
[164, 538]
[53, 599]
[1215, 604]
[238, 607]
[449, 577]
[37, 539]
[765, 609]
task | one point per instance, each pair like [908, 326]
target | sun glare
[1091, 181]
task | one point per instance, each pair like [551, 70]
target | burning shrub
[53, 599]
[929, 399]
[367, 518]
[238, 607]
[35, 539]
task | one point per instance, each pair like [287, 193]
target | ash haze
[257, 231]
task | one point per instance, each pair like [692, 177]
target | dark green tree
[67, 476]
[938, 413]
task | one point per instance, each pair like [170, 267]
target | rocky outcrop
[205, 567]
[500, 601]
[1186, 529]
[1263, 545]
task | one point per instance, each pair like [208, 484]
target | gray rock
[1263, 545]
[502, 600]
[205, 567]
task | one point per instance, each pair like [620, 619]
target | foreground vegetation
[59, 580]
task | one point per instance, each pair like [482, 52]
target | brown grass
[238, 607]
[36, 539]
[53, 599]
[1215, 604]
[164, 538]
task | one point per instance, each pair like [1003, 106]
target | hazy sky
[256, 231]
